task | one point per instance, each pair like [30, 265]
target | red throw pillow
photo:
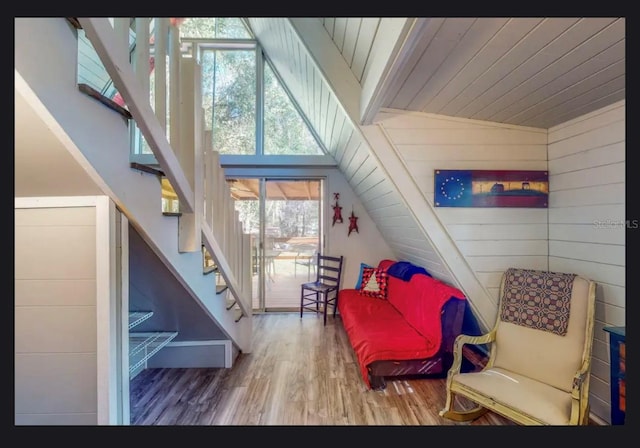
[374, 283]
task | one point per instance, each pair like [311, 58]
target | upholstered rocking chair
[539, 362]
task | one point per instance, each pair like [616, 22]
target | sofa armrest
[451, 321]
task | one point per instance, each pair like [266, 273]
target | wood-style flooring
[298, 373]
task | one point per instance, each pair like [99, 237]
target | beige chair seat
[538, 400]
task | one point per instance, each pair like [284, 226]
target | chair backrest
[544, 328]
[306, 250]
[329, 269]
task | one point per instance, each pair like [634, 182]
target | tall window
[231, 78]
[285, 132]
[214, 28]
[229, 96]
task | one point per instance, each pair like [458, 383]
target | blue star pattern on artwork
[453, 188]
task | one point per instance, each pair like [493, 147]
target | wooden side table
[617, 379]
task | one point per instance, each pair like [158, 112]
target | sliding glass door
[284, 218]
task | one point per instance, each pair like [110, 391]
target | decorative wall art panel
[491, 188]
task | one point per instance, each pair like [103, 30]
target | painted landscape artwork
[491, 188]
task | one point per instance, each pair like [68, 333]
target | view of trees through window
[229, 99]
[229, 81]
[214, 28]
[284, 130]
[288, 215]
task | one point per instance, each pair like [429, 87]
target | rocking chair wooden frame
[571, 407]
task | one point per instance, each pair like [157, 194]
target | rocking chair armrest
[463, 339]
[579, 378]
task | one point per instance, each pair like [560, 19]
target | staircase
[196, 198]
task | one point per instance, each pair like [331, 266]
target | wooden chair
[539, 362]
[324, 290]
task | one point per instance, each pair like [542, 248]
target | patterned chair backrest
[545, 320]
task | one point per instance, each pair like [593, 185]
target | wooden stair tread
[93, 93]
[74, 21]
[210, 269]
[147, 169]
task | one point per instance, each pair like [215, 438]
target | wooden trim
[106, 312]
[93, 93]
[74, 21]
[56, 201]
[209, 270]
[147, 169]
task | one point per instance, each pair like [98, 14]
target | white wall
[490, 239]
[55, 316]
[587, 223]
[367, 245]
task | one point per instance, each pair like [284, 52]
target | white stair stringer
[98, 139]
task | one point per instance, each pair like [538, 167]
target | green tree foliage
[284, 130]
[214, 28]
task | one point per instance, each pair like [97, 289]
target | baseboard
[594, 420]
[194, 354]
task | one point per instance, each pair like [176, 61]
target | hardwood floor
[298, 373]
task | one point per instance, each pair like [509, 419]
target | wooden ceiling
[530, 71]
[285, 189]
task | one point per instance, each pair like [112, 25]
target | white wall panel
[55, 316]
[601, 253]
[586, 139]
[587, 222]
[599, 175]
[584, 232]
[591, 195]
[590, 158]
[504, 232]
[599, 216]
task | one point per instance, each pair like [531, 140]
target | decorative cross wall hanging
[337, 210]
[353, 223]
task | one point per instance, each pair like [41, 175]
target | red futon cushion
[405, 325]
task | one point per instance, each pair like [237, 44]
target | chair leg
[301, 301]
[324, 311]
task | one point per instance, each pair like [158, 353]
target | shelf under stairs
[143, 345]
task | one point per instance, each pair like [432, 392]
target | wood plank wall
[491, 239]
[587, 222]
[55, 316]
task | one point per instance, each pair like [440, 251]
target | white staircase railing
[172, 104]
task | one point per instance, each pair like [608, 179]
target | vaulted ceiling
[530, 71]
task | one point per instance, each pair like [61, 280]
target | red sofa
[411, 332]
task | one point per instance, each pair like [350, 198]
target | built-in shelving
[143, 345]
[137, 317]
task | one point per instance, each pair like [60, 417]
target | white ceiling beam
[328, 61]
[394, 44]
